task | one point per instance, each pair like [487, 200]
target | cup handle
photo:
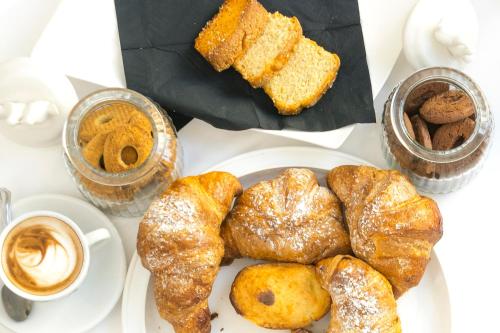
[97, 236]
[6, 214]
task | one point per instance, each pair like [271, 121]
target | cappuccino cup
[45, 255]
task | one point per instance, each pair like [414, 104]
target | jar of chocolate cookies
[121, 150]
[437, 129]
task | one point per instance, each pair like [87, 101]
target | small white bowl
[23, 80]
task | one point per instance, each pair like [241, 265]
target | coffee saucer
[101, 289]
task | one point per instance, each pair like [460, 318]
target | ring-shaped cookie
[93, 151]
[139, 119]
[127, 147]
[105, 119]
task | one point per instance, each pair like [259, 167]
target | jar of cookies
[437, 128]
[121, 150]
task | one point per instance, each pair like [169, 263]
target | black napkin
[157, 40]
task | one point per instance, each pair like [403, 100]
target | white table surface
[468, 250]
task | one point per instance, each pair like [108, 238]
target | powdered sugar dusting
[179, 242]
[288, 218]
[384, 212]
[357, 307]
[362, 299]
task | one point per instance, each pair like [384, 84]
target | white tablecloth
[468, 250]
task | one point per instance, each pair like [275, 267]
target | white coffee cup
[86, 240]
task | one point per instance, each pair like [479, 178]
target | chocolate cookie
[452, 135]
[422, 93]
[447, 107]
[421, 131]
[408, 125]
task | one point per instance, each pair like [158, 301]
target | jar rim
[458, 79]
[89, 103]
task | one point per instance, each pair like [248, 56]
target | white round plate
[103, 286]
[424, 309]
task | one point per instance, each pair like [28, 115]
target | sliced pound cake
[270, 51]
[237, 25]
[308, 74]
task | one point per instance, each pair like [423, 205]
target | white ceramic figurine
[441, 33]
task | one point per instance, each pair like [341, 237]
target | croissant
[362, 298]
[290, 218]
[179, 242]
[391, 226]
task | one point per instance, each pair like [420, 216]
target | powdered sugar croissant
[179, 243]
[289, 218]
[362, 299]
[391, 226]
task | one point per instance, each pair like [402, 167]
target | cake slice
[270, 51]
[308, 74]
[231, 31]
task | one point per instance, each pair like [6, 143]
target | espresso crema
[42, 255]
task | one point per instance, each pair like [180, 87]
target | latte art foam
[47, 257]
[42, 255]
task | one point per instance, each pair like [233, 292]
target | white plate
[103, 286]
[424, 309]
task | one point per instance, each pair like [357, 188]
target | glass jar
[127, 193]
[436, 171]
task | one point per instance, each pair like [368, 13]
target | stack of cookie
[438, 117]
[116, 137]
[270, 52]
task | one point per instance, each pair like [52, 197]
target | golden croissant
[362, 298]
[391, 226]
[289, 218]
[179, 242]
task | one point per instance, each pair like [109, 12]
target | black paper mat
[157, 40]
